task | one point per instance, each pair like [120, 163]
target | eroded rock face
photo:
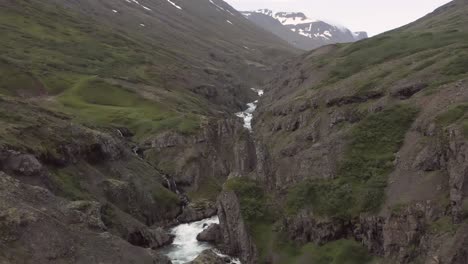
[236, 240]
[209, 257]
[222, 148]
[457, 168]
[38, 227]
[305, 228]
[133, 231]
[211, 234]
[197, 212]
[136, 201]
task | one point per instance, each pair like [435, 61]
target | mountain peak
[293, 18]
[302, 31]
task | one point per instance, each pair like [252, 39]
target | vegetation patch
[94, 101]
[209, 188]
[459, 65]
[68, 185]
[388, 47]
[443, 225]
[452, 115]
[253, 200]
[337, 252]
[362, 176]
[165, 198]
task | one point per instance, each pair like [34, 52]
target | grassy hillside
[105, 68]
[348, 125]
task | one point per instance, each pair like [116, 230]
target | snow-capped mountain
[307, 33]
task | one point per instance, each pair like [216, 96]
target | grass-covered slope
[174, 65]
[368, 129]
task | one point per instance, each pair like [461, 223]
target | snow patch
[220, 8]
[174, 4]
[138, 3]
[229, 22]
[115, 11]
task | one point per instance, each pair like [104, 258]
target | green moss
[209, 188]
[337, 252]
[452, 115]
[252, 199]
[95, 101]
[165, 198]
[459, 65]
[465, 128]
[398, 208]
[362, 176]
[15, 81]
[68, 185]
[443, 225]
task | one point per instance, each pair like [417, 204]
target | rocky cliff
[117, 122]
[366, 154]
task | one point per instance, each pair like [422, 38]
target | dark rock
[125, 132]
[211, 234]
[197, 212]
[208, 257]
[22, 164]
[38, 227]
[457, 168]
[133, 231]
[88, 212]
[236, 240]
[305, 228]
[137, 201]
[409, 91]
[355, 99]
[150, 238]
[429, 159]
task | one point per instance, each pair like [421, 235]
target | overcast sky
[373, 16]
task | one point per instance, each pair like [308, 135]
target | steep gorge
[358, 152]
[361, 153]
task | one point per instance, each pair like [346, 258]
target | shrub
[362, 176]
[252, 199]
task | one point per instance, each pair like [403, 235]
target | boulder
[197, 212]
[209, 257]
[22, 164]
[211, 234]
[236, 240]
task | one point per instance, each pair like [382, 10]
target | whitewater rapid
[247, 114]
[186, 247]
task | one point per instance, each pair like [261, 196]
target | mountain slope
[362, 148]
[97, 99]
[307, 34]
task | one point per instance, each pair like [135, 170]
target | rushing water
[186, 247]
[247, 114]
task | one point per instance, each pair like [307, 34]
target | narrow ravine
[247, 114]
[186, 247]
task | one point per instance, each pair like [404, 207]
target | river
[186, 247]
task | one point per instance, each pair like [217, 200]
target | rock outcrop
[209, 257]
[212, 234]
[197, 212]
[221, 148]
[52, 230]
[236, 240]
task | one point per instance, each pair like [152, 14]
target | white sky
[373, 16]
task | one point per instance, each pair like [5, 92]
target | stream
[186, 247]
[247, 114]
